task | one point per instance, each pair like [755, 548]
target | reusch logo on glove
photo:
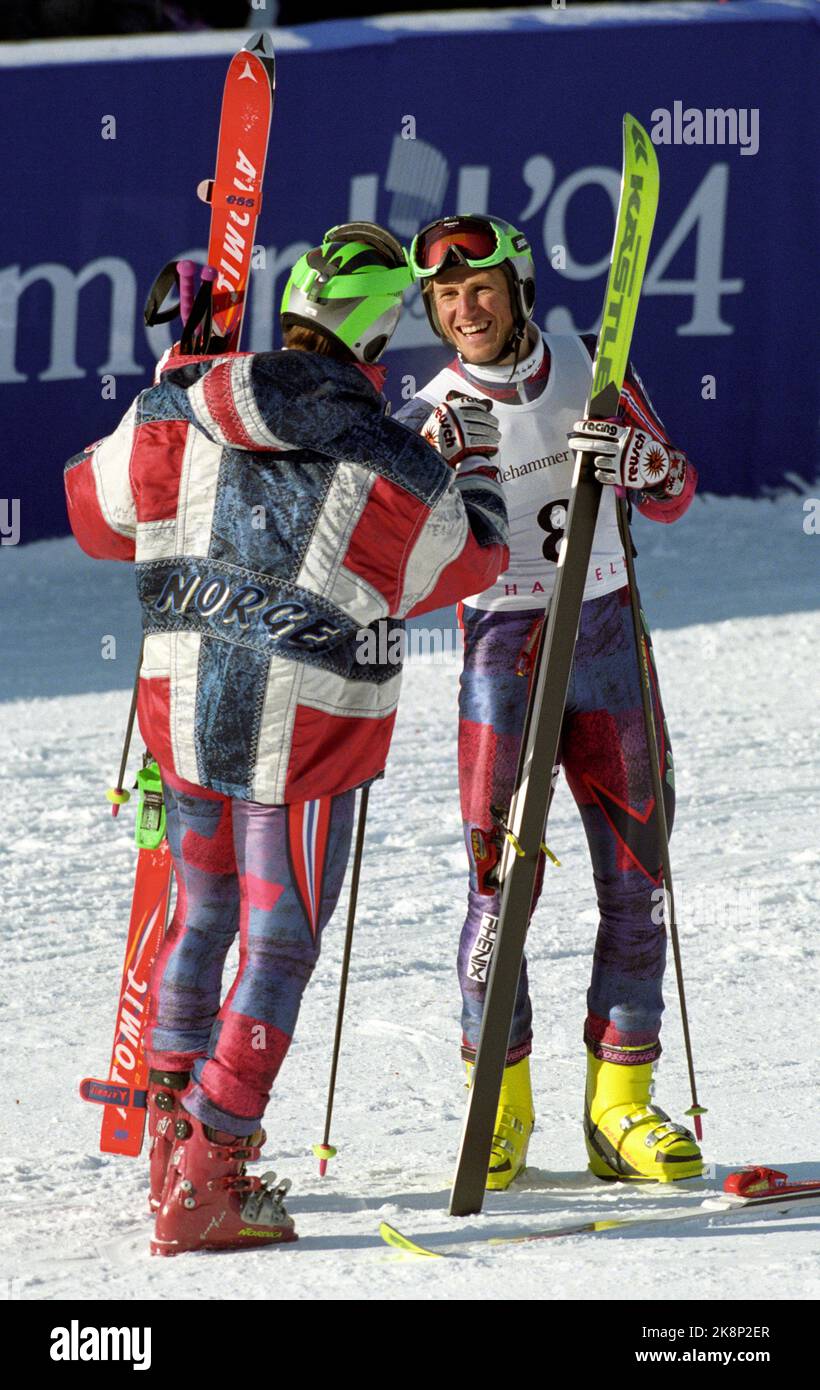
[447, 435]
[635, 457]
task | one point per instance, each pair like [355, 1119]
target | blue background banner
[397, 120]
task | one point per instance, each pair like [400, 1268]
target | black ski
[550, 679]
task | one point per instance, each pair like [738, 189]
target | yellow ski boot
[629, 1138]
[514, 1123]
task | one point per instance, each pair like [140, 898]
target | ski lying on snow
[776, 1193]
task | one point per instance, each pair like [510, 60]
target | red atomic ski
[123, 1095]
[235, 192]
[235, 195]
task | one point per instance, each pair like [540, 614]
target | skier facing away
[478, 284]
[272, 510]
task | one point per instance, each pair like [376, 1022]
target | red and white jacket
[278, 519]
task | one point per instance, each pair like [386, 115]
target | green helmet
[350, 288]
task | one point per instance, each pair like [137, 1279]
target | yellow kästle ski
[719, 1206]
[391, 1236]
[550, 678]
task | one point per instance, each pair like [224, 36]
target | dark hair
[298, 337]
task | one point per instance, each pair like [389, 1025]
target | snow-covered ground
[733, 595]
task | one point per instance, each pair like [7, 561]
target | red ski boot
[167, 1121]
[209, 1202]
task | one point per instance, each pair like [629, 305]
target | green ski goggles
[472, 241]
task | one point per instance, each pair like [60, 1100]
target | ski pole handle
[187, 291]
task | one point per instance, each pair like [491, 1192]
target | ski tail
[123, 1093]
[112, 1093]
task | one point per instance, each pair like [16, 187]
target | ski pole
[187, 291]
[641, 652]
[119, 795]
[325, 1150]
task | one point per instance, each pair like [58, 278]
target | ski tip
[261, 44]
[636, 133]
[397, 1241]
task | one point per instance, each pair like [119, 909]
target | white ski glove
[624, 455]
[461, 426]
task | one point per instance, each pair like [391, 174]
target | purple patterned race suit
[273, 874]
[603, 743]
[604, 756]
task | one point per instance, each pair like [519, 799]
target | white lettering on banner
[555, 220]
[9, 520]
[705, 212]
[66, 285]
[473, 187]
[538, 174]
[703, 218]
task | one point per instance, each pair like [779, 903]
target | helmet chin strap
[515, 340]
